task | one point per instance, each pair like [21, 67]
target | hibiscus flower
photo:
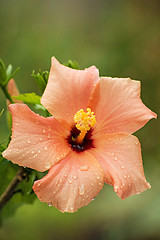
[87, 142]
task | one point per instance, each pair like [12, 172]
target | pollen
[84, 122]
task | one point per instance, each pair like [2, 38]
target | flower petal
[71, 183]
[119, 155]
[13, 91]
[118, 107]
[68, 90]
[37, 142]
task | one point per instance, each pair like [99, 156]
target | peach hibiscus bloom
[88, 140]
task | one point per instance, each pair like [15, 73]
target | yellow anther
[84, 122]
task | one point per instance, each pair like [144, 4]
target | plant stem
[6, 93]
[9, 192]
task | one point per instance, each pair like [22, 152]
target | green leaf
[1, 112]
[41, 79]
[3, 76]
[22, 195]
[39, 107]
[13, 74]
[72, 64]
[9, 71]
[31, 98]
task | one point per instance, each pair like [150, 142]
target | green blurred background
[122, 38]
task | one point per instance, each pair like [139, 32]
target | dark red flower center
[86, 144]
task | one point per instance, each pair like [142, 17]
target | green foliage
[31, 98]
[3, 76]
[72, 64]
[41, 79]
[6, 74]
[1, 112]
[23, 192]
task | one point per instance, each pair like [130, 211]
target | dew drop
[47, 165]
[112, 154]
[116, 188]
[74, 177]
[49, 204]
[93, 199]
[45, 148]
[84, 168]
[60, 180]
[81, 190]
[148, 185]
[70, 181]
[124, 176]
[115, 158]
[43, 130]
[122, 167]
[38, 184]
[28, 141]
[32, 152]
[97, 177]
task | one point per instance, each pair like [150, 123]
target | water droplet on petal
[84, 168]
[45, 148]
[43, 130]
[74, 177]
[70, 181]
[116, 188]
[112, 154]
[115, 158]
[47, 165]
[122, 167]
[148, 185]
[93, 199]
[81, 189]
[124, 176]
[49, 204]
[28, 141]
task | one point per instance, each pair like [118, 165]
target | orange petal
[37, 142]
[68, 90]
[72, 183]
[119, 155]
[118, 107]
[13, 90]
